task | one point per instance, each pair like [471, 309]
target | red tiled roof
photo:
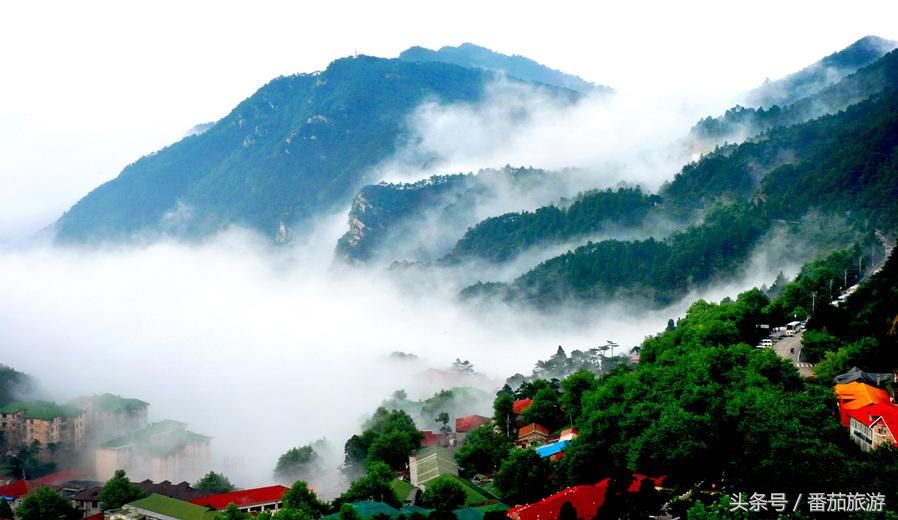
[60, 477]
[470, 422]
[15, 489]
[520, 405]
[532, 428]
[244, 498]
[432, 439]
[887, 413]
[637, 482]
[587, 500]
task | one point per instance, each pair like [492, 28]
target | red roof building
[468, 423]
[60, 477]
[14, 490]
[587, 500]
[521, 405]
[433, 439]
[874, 425]
[248, 500]
[532, 434]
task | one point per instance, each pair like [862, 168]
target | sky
[91, 86]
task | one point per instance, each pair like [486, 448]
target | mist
[633, 136]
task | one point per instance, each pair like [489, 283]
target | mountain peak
[471, 55]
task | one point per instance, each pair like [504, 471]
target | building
[23, 423]
[587, 500]
[553, 451]
[532, 435]
[181, 491]
[158, 507]
[256, 500]
[569, 434]
[874, 425]
[427, 464]
[108, 416]
[467, 424]
[15, 491]
[164, 450]
[855, 395]
[878, 379]
[434, 439]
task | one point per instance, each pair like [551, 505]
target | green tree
[444, 495]
[524, 477]
[44, 503]
[443, 419]
[574, 386]
[483, 451]
[301, 497]
[374, 485]
[347, 512]
[214, 482]
[389, 436]
[546, 409]
[118, 491]
[296, 463]
[5, 509]
[233, 513]
[503, 412]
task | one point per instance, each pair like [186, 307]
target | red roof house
[14, 490]
[263, 499]
[520, 405]
[469, 423]
[874, 425]
[60, 477]
[532, 434]
[433, 439]
[587, 500]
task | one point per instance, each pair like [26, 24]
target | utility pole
[830, 288]
[845, 284]
[813, 301]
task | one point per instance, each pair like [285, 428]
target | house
[532, 434]
[158, 507]
[553, 451]
[855, 395]
[638, 479]
[182, 491]
[569, 434]
[108, 416]
[427, 464]
[164, 450]
[247, 500]
[587, 500]
[23, 423]
[434, 439]
[467, 424]
[87, 499]
[15, 491]
[878, 379]
[874, 425]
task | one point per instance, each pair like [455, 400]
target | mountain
[299, 147]
[843, 166]
[841, 89]
[821, 74]
[501, 238]
[421, 221]
[474, 56]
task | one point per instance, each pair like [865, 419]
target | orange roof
[858, 395]
[855, 395]
[532, 428]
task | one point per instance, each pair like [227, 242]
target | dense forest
[844, 165]
[501, 238]
[299, 147]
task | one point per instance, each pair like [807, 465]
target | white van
[766, 343]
